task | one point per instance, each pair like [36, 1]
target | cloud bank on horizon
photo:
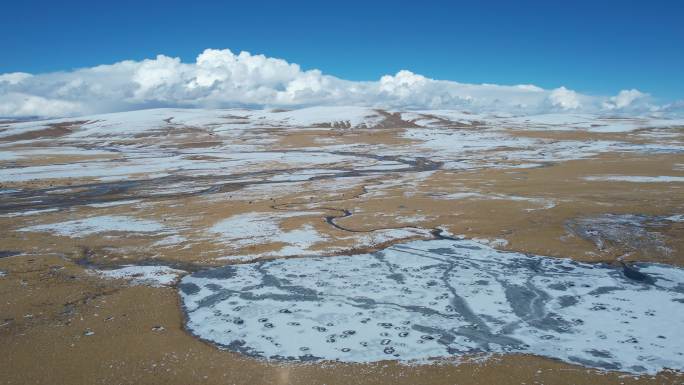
[220, 78]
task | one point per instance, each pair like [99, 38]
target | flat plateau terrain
[341, 245]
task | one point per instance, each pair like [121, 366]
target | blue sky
[596, 47]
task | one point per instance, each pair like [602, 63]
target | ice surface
[676, 218]
[442, 298]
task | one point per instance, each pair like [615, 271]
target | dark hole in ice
[189, 288]
[596, 363]
[634, 274]
[222, 272]
[600, 353]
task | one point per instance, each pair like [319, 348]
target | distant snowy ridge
[220, 78]
[122, 124]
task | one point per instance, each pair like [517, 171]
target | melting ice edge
[442, 298]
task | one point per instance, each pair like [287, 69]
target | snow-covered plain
[415, 301]
[135, 145]
[442, 298]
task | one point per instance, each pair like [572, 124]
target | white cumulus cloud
[565, 98]
[625, 99]
[14, 77]
[220, 78]
[23, 105]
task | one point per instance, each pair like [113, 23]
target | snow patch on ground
[543, 203]
[379, 237]
[28, 213]
[114, 203]
[497, 242]
[468, 148]
[170, 241]
[250, 229]
[635, 179]
[158, 164]
[144, 275]
[588, 122]
[100, 224]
